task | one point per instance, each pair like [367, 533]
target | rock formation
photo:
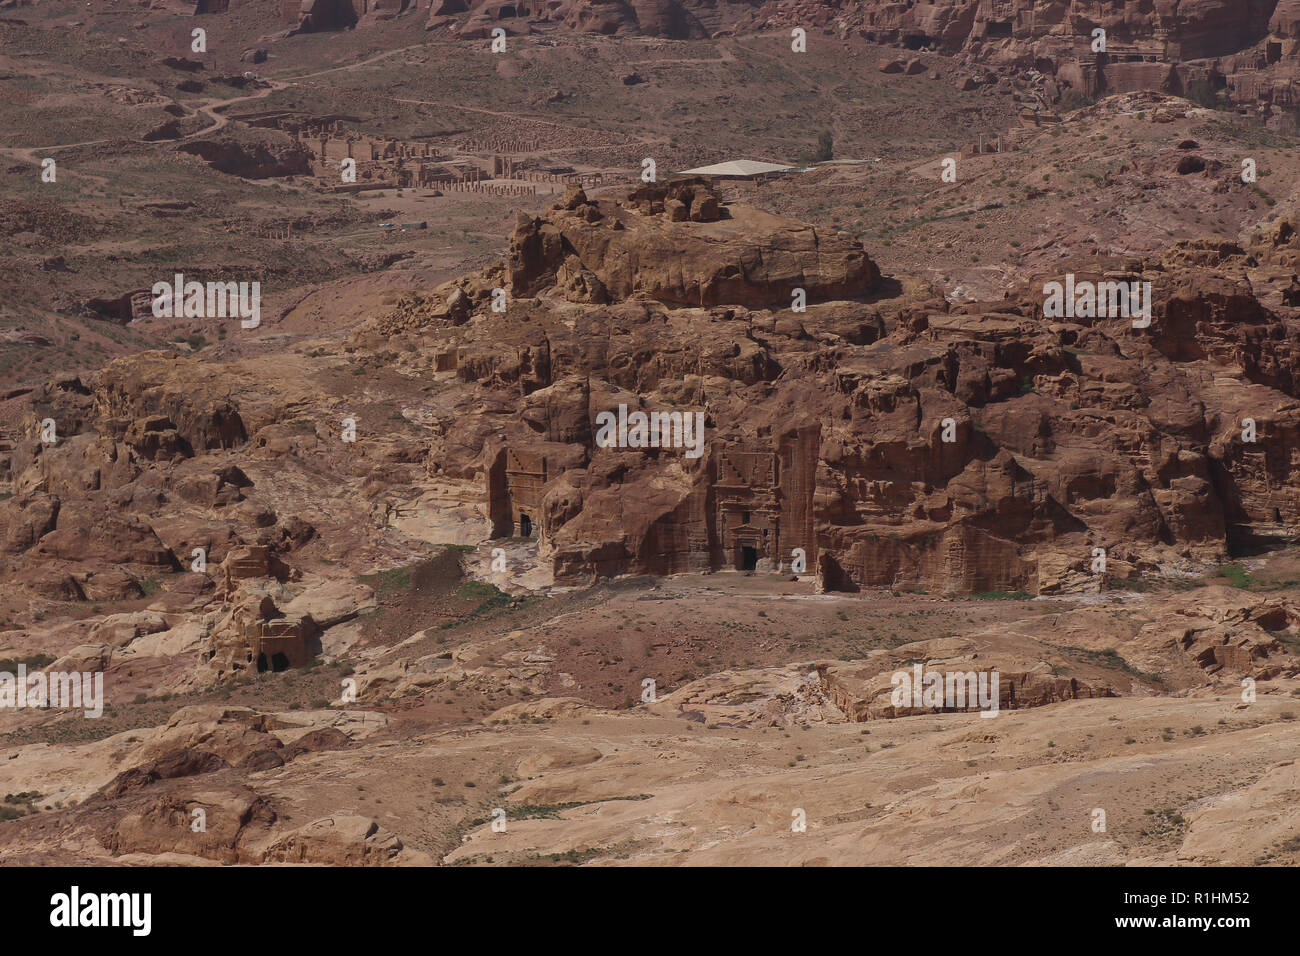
[878, 438]
[1246, 50]
[974, 448]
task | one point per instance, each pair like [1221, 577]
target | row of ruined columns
[567, 179]
[499, 146]
[493, 189]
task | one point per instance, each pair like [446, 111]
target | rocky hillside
[878, 436]
[896, 439]
[621, 506]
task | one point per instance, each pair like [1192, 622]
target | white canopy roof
[738, 167]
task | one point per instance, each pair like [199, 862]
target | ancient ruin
[672, 433]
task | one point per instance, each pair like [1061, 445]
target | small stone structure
[254, 634]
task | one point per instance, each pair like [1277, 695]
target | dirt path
[213, 108]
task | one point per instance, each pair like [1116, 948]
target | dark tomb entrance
[748, 558]
[525, 526]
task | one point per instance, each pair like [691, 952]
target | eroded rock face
[1246, 45]
[1204, 28]
[313, 16]
[662, 18]
[676, 244]
[881, 438]
[672, 19]
[1187, 30]
[345, 840]
[970, 449]
[162, 824]
[1246, 48]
